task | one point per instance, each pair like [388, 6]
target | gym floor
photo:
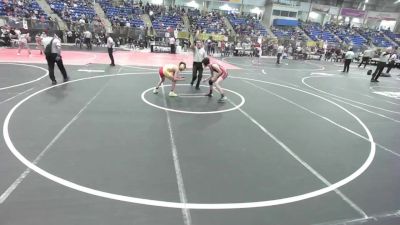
[296, 143]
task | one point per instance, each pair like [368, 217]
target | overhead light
[398, 1]
[256, 10]
[193, 4]
[226, 7]
[366, 1]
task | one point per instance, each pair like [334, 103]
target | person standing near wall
[52, 50]
[110, 48]
[349, 56]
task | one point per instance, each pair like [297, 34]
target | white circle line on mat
[167, 204]
[28, 82]
[193, 112]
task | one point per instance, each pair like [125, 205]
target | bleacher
[123, 14]
[376, 37]
[162, 23]
[211, 24]
[75, 10]
[316, 32]
[247, 25]
[31, 6]
[393, 36]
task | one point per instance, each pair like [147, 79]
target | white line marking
[21, 93]
[325, 118]
[28, 82]
[192, 112]
[375, 218]
[19, 180]
[178, 172]
[263, 71]
[191, 96]
[180, 205]
[91, 71]
[194, 94]
[366, 110]
[302, 162]
[375, 107]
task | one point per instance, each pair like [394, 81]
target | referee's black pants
[197, 73]
[346, 65]
[390, 66]
[364, 60]
[378, 71]
[110, 53]
[51, 60]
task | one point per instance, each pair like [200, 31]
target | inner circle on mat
[20, 66]
[194, 101]
[167, 204]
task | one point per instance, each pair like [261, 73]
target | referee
[198, 55]
[52, 50]
[110, 45]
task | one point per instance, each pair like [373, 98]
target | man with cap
[52, 50]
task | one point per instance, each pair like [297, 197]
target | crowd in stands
[123, 15]
[208, 23]
[28, 9]
[247, 25]
[166, 18]
[290, 33]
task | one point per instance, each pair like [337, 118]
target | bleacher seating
[376, 37]
[393, 36]
[285, 32]
[22, 9]
[123, 14]
[73, 11]
[316, 32]
[162, 23]
[212, 23]
[247, 25]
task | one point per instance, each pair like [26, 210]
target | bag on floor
[369, 72]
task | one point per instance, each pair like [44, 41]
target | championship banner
[382, 15]
[215, 37]
[311, 44]
[183, 35]
[352, 12]
[232, 1]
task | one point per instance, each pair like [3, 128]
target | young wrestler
[171, 72]
[218, 74]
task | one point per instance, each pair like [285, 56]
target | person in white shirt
[392, 59]
[279, 55]
[349, 56]
[23, 43]
[367, 56]
[383, 59]
[52, 50]
[110, 45]
[198, 55]
[88, 39]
